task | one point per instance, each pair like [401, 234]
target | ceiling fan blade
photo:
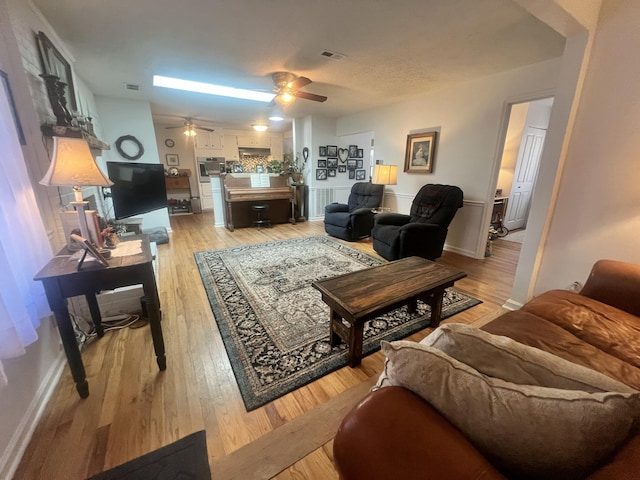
[173, 127]
[310, 96]
[299, 83]
[206, 129]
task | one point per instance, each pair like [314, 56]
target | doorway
[524, 143]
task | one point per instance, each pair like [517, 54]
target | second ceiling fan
[287, 87]
[189, 128]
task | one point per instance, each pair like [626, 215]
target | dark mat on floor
[185, 459]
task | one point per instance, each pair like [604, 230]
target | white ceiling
[394, 49]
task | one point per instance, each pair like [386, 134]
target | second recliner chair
[421, 233]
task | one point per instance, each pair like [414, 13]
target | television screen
[137, 188]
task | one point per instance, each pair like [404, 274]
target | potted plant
[296, 167]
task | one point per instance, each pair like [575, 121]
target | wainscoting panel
[464, 231]
[318, 198]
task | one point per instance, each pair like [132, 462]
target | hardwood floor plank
[133, 408]
[260, 460]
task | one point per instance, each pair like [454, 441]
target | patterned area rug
[274, 324]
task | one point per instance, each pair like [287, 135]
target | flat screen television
[137, 188]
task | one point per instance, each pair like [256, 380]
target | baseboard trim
[512, 305]
[461, 251]
[22, 435]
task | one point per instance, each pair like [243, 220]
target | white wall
[31, 377]
[469, 119]
[131, 117]
[316, 131]
[597, 212]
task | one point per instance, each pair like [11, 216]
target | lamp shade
[73, 165]
[385, 175]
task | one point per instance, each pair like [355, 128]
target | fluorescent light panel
[211, 89]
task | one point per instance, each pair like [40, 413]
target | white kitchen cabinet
[208, 141]
[276, 147]
[206, 196]
[230, 150]
[255, 141]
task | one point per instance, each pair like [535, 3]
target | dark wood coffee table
[359, 296]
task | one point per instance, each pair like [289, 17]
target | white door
[524, 177]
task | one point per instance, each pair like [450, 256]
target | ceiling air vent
[333, 55]
[132, 86]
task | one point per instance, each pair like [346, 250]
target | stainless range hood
[254, 152]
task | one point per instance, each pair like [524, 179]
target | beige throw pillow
[526, 430]
[504, 358]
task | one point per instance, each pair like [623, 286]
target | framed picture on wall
[332, 150]
[331, 172]
[419, 154]
[322, 151]
[53, 63]
[321, 174]
[322, 163]
[172, 159]
[353, 151]
[352, 174]
[361, 174]
[332, 162]
[351, 163]
[342, 168]
[12, 106]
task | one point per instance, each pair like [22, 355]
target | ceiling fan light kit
[284, 98]
[258, 127]
[287, 88]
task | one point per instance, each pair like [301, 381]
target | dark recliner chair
[423, 232]
[354, 221]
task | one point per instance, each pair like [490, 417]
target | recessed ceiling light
[276, 118]
[211, 89]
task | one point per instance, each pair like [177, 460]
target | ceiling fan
[287, 88]
[189, 128]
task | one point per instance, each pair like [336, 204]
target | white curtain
[24, 248]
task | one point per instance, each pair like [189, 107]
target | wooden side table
[62, 280]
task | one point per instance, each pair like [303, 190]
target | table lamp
[73, 165]
[385, 175]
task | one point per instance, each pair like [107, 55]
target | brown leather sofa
[395, 434]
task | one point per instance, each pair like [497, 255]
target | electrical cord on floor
[81, 336]
[109, 325]
[84, 337]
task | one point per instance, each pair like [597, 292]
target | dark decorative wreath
[129, 138]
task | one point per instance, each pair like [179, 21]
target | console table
[62, 280]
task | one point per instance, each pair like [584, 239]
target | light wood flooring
[133, 409]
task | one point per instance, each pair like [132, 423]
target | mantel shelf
[74, 132]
